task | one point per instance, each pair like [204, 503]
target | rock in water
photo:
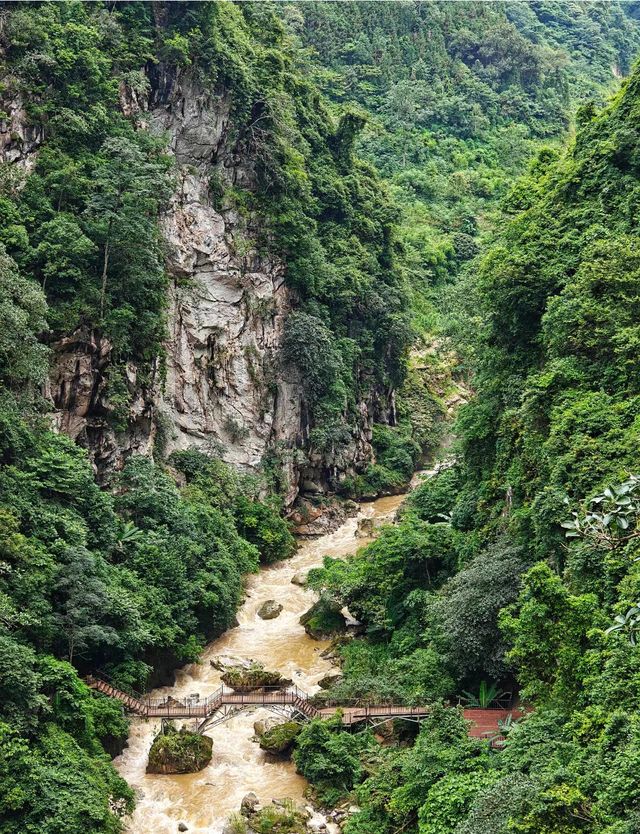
[181, 751]
[250, 804]
[256, 677]
[279, 739]
[182, 826]
[269, 610]
[224, 662]
[330, 679]
[365, 528]
[299, 578]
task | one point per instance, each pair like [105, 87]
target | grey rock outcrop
[269, 610]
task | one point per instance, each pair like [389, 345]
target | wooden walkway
[483, 722]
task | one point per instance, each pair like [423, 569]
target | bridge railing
[194, 704]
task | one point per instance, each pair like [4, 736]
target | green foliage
[397, 452]
[459, 95]
[611, 519]
[487, 694]
[22, 318]
[448, 100]
[449, 800]
[376, 583]
[377, 673]
[547, 324]
[468, 608]
[88, 212]
[548, 631]
[258, 522]
[330, 758]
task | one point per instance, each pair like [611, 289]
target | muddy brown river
[203, 801]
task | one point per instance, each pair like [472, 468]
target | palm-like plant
[487, 694]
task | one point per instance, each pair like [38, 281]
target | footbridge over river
[226, 702]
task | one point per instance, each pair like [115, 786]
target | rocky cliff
[222, 386]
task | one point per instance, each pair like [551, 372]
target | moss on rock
[255, 677]
[279, 740]
[179, 751]
[324, 618]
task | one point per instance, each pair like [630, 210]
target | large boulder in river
[280, 739]
[365, 528]
[299, 578]
[250, 804]
[255, 677]
[324, 618]
[225, 662]
[330, 680]
[269, 610]
[276, 736]
[179, 751]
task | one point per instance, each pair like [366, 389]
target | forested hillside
[459, 96]
[217, 244]
[516, 569]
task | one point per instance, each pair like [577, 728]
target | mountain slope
[478, 585]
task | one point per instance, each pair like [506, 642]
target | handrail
[196, 707]
[99, 674]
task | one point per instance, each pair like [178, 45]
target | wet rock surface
[269, 610]
[254, 678]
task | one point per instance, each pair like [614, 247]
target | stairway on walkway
[132, 703]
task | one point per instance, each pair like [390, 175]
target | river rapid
[203, 801]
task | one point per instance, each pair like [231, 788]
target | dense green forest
[390, 137]
[458, 96]
[517, 567]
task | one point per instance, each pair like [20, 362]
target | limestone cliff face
[222, 387]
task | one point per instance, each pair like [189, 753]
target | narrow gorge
[319, 417]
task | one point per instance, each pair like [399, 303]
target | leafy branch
[611, 518]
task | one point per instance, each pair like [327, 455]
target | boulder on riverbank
[255, 677]
[314, 516]
[280, 816]
[365, 528]
[330, 680]
[324, 619]
[269, 610]
[179, 751]
[250, 804]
